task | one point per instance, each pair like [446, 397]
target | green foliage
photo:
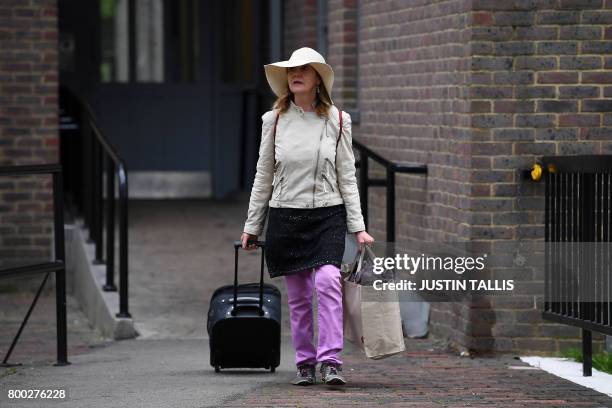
[601, 361]
[8, 371]
[107, 8]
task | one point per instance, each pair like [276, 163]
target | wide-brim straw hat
[276, 73]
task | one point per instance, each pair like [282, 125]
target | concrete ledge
[167, 184]
[85, 281]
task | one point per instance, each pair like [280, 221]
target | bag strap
[340, 132]
[275, 123]
[274, 138]
[357, 273]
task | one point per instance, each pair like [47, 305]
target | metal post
[60, 275]
[123, 244]
[92, 191]
[587, 362]
[5, 362]
[87, 177]
[588, 235]
[547, 252]
[97, 187]
[110, 227]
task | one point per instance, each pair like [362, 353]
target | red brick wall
[413, 66]
[540, 86]
[28, 127]
[477, 89]
[342, 51]
[300, 25]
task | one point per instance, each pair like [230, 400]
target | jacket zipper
[279, 187]
[314, 186]
[328, 182]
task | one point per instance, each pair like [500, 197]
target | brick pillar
[540, 75]
[413, 67]
[28, 127]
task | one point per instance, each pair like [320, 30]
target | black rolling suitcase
[244, 322]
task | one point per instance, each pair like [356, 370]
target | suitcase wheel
[273, 369]
[217, 369]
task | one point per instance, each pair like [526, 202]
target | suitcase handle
[238, 245]
[247, 307]
[248, 300]
[261, 244]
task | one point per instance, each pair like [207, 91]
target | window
[149, 40]
[114, 20]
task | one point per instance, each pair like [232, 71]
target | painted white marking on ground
[572, 371]
[523, 368]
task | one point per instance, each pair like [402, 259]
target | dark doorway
[176, 87]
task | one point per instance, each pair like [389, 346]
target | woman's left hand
[363, 238]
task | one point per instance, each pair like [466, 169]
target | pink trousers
[326, 280]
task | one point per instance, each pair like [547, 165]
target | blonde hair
[323, 100]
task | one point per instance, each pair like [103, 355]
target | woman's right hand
[248, 237]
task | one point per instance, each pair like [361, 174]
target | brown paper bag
[375, 324]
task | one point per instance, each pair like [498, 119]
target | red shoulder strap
[340, 131]
[275, 122]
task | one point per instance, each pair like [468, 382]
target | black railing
[97, 158]
[58, 266]
[578, 232]
[365, 182]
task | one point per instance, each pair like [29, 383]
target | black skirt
[304, 238]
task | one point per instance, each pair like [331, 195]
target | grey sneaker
[332, 374]
[305, 375]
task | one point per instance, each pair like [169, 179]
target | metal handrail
[365, 182]
[58, 266]
[100, 151]
[577, 212]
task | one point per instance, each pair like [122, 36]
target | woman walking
[306, 183]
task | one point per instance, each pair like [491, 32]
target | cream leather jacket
[308, 171]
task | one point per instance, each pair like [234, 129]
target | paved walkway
[37, 344]
[180, 252]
